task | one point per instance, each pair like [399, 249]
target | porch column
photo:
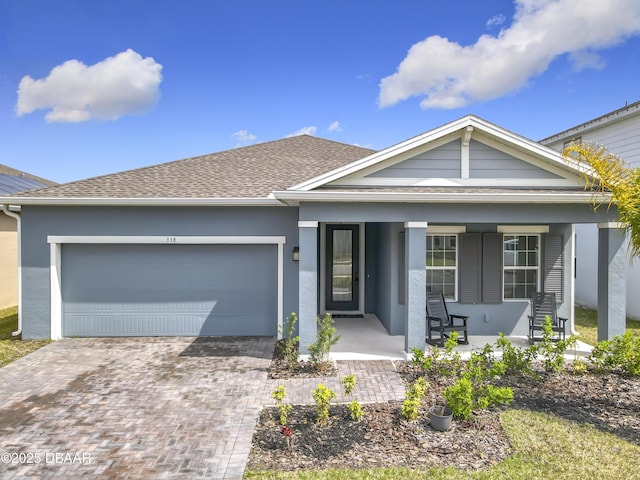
[612, 281]
[307, 284]
[415, 247]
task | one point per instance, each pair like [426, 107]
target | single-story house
[618, 131]
[230, 243]
[12, 181]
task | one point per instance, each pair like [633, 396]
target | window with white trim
[442, 265]
[521, 266]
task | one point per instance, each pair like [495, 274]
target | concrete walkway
[150, 407]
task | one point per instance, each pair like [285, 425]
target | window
[442, 260]
[521, 265]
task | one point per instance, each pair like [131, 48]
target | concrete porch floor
[366, 339]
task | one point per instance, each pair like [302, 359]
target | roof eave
[142, 202]
[295, 197]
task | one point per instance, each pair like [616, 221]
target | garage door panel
[138, 290]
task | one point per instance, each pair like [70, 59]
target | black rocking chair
[439, 320]
[543, 305]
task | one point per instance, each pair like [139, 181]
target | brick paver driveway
[132, 407]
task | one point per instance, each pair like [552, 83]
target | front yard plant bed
[279, 369]
[605, 402]
[381, 439]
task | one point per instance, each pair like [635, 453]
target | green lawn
[544, 446]
[587, 325]
[12, 348]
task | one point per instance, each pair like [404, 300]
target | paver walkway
[377, 380]
[149, 407]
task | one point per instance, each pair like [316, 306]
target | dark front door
[342, 267]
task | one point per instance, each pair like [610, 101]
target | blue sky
[94, 87]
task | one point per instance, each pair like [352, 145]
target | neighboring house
[619, 131]
[230, 243]
[12, 181]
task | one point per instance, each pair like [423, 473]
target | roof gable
[467, 152]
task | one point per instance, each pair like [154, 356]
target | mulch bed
[383, 438]
[279, 369]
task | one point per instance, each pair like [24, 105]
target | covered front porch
[366, 338]
[388, 267]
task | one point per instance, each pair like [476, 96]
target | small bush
[413, 399]
[349, 383]
[450, 363]
[464, 397]
[424, 361]
[326, 338]
[283, 408]
[553, 351]
[356, 411]
[459, 398]
[621, 353]
[323, 396]
[517, 361]
[290, 343]
[579, 367]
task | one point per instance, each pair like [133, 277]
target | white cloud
[244, 138]
[496, 20]
[74, 92]
[335, 127]
[304, 131]
[450, 75]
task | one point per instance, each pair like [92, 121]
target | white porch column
[307, 284]
[612, 281]
[415, 247]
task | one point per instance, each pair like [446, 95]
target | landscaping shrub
[413, 399]
[284, 408]
[323, 396]
[621, 353]
[326, 338]
[290, 343]
[517, 361]
[553, 351]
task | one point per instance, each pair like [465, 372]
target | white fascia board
[462, 182]
[525, 197]
[143, 202]
[167, 239]
[383, 155]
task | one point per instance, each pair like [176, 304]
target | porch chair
[543, 305]
[439, 320]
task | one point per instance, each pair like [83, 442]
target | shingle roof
[13, 181]
[248, 172]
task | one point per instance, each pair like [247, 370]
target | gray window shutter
[470, 268]
[492, 268]
[553, 265]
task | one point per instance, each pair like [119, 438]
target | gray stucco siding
[40, 222]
